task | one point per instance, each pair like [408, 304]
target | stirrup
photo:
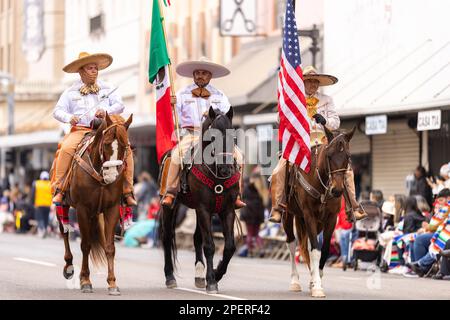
[168, 201]
[56, 201]
[276, 215]
[126, 196]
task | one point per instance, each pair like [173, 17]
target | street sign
[238, 18]
[429, 120]
[376, 125]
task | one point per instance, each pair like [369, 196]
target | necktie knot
[88, 89]
[201, 93]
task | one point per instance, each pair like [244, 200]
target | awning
[254, 72]
[35, 139]
[395, 80]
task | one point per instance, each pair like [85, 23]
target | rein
[313, 192]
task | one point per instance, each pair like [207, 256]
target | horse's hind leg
[200, 280]
[111, 219]
[288, 223]
[69, 270]
[228, 220]
[168, 240]
[209, 249]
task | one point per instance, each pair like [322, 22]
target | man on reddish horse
[86, 100]
[193, 103]
[322, 112]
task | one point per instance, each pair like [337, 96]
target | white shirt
[191, 109]
[72, 103]
[327, 109]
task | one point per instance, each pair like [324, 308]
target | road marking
[41, 263]
[210, 295]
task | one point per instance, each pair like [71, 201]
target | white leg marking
[199, 270]
[295, 278]
[317, 290]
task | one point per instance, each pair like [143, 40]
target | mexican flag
[159, 76]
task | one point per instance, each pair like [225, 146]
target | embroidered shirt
[72, 103]
[192, 110]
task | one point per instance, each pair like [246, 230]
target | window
[97, 24]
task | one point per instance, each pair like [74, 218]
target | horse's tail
[302, 236]
[166, 231]
[97, 237]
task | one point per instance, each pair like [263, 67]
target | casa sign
[429, 120]
[376, 125]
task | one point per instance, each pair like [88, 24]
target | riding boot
[173, 185]
[356, 212]
[277, 191]
[58, 198]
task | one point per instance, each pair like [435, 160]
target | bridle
[215, 172]
[330, 173]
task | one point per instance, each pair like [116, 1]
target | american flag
[294, 126]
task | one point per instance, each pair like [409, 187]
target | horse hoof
[87, 288]
[295, 287]
[318, 293]
[171, 284]
[114, 292]
[68, 272]
[200, 283]
[212, 289]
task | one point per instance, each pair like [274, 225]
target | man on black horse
[322, 112]
[193, 103]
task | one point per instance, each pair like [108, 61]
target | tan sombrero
[187, 69]
[103, 61]
[310, 73]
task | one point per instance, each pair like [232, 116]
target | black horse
[212, 188]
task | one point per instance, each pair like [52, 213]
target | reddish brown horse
[95, 192]
[314, 202]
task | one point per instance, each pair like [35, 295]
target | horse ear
[349, 135]
[329, 134]
[129, 122]
[230, 114]
[109, 121]
[212, 113]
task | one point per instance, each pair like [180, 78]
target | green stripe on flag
[159, 56]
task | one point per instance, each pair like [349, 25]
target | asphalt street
[31, 268]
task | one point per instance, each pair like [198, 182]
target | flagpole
[172, 84]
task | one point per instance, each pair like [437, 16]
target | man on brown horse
[193, 103]
[86, 100]
[322, 112]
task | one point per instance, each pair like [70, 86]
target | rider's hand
[74, 121]
[320, 119]
[100, 114]
[173, 100]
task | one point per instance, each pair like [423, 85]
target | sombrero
[103, 61]
[187, 69]
[310, 73]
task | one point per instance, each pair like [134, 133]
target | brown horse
[95, 192]
[314, 201]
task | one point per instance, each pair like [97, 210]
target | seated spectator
[444, 268]
[377, 196]
[413, 218]
[441, 182]
[437, 243]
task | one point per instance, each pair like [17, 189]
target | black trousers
[445, 262]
